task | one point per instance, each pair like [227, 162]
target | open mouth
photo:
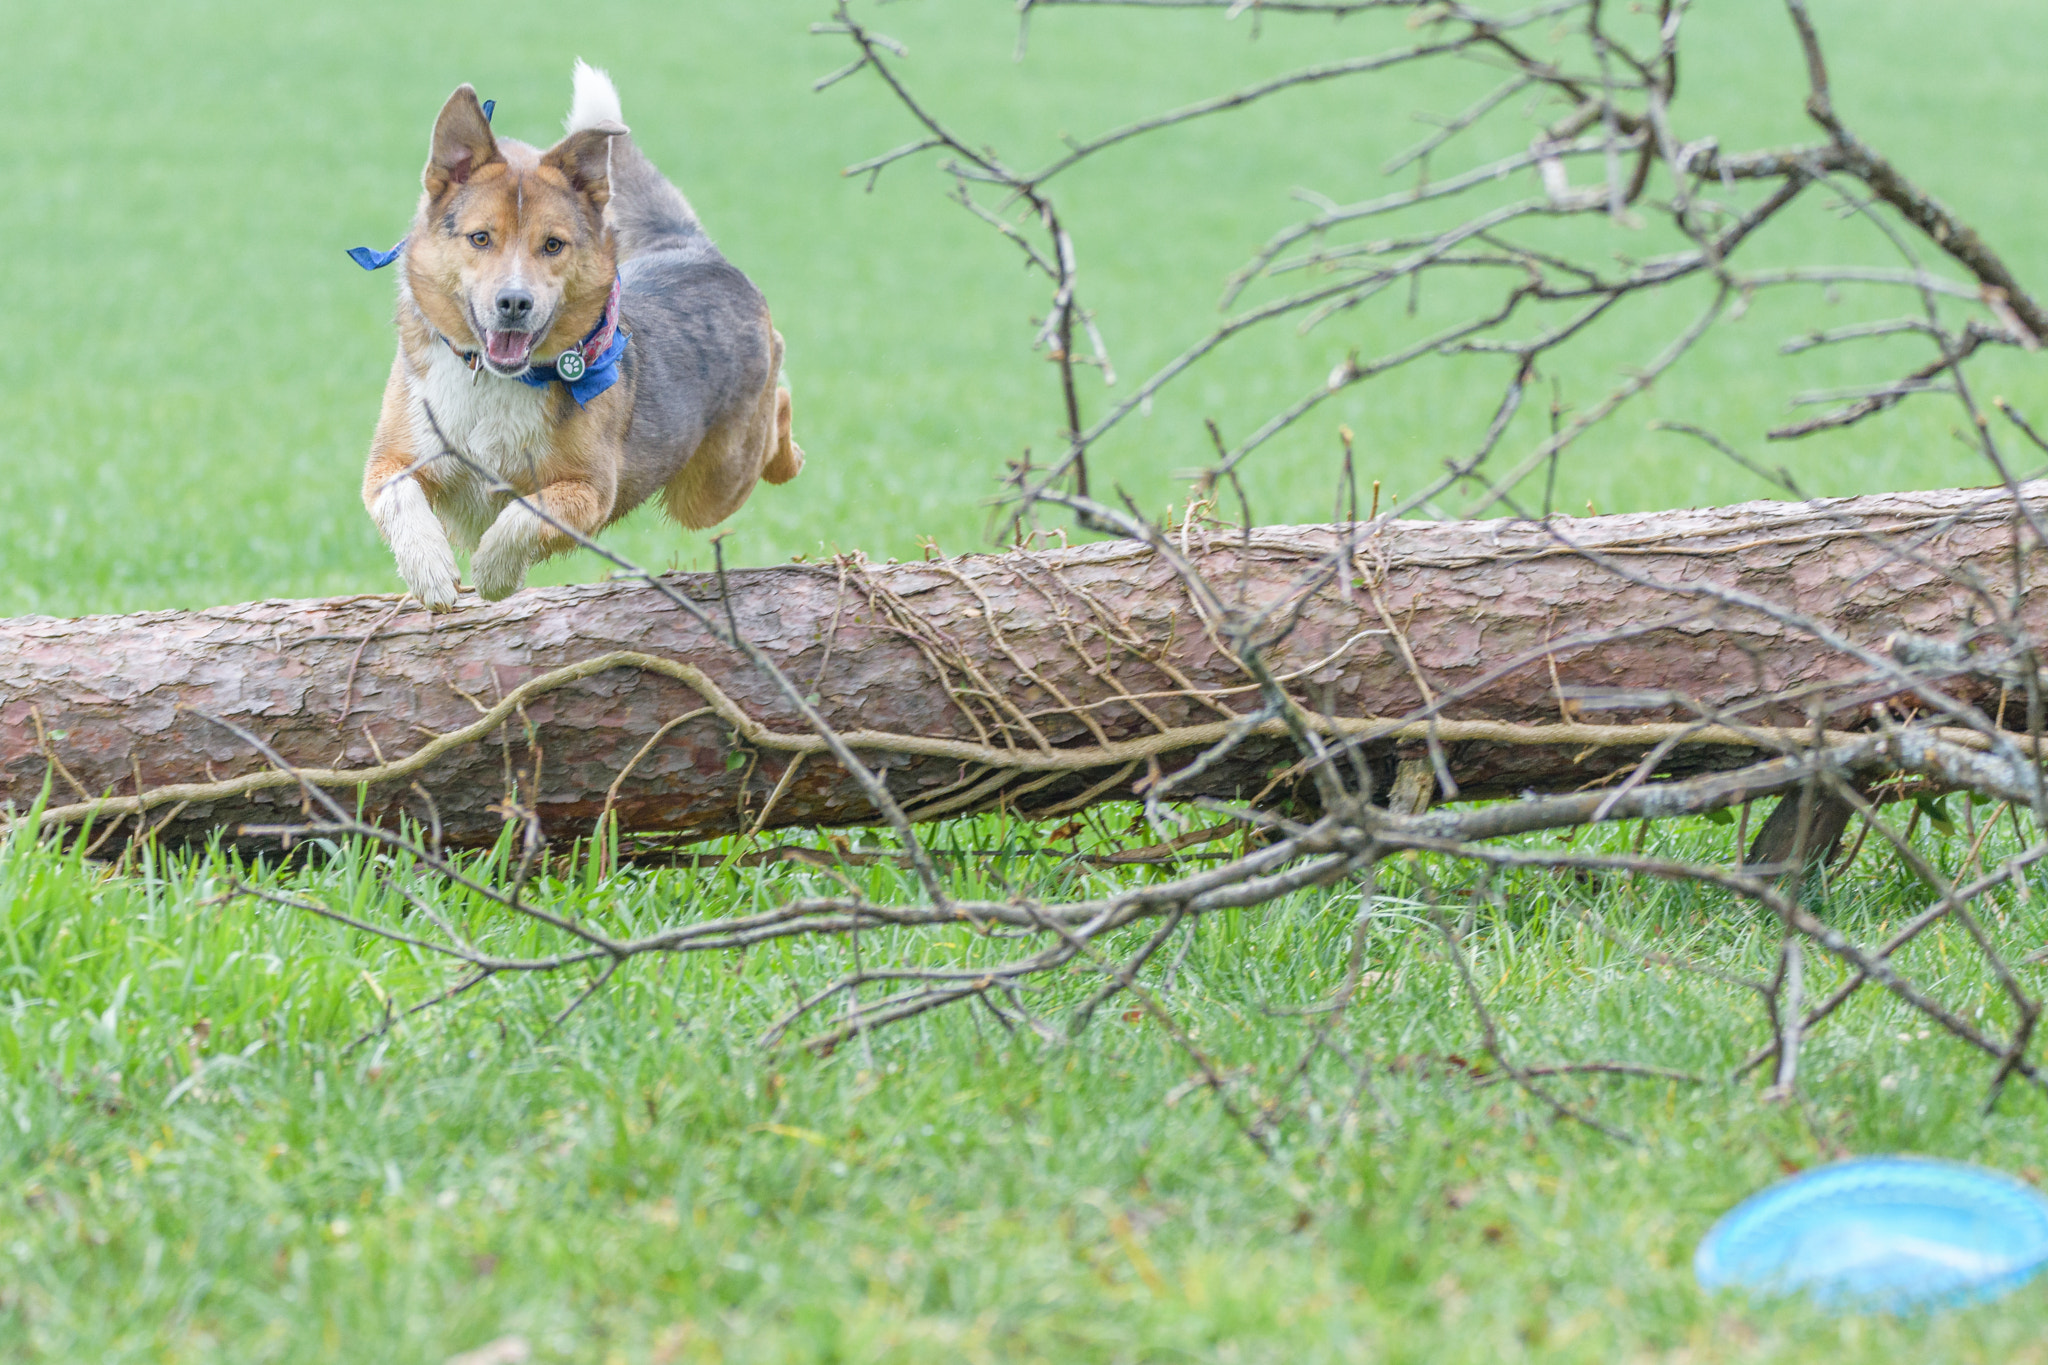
[508, 350]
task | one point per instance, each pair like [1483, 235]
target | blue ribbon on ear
[369, 258]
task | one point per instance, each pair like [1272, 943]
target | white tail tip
[596, 101]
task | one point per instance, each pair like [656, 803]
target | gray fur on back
[700, 345]
[647, 212]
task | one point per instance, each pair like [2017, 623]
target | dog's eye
[479, 240]
[553, 245]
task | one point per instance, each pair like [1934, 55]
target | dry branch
[1528, 656]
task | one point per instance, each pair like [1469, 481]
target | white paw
[418, 542]
[505, 553]
[433, 584]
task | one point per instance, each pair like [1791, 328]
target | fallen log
[1034, 681]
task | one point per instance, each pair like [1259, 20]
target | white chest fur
[497, 425]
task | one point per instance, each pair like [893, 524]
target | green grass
[194, 1165]
[197, 1167]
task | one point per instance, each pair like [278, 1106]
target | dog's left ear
[462, 144]
[585, 160]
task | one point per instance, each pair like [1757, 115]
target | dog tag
[569, 365]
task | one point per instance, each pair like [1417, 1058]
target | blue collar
[598, 375]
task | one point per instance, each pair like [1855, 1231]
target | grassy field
[198, 1169]
[196, 1166]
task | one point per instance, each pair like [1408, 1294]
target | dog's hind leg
[735, 453]
[722, 471]
[788, 457]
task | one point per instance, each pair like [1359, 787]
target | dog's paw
[419, 544]
[428, 567]
[504, 554]
[496, 581]
[435, 588]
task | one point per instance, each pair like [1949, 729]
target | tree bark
[1032, 681]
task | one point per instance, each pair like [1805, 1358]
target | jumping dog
[568, 332]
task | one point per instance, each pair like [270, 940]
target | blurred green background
[195, 366]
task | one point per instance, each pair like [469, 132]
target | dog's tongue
[508, 348]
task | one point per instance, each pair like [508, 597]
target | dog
[567, 331]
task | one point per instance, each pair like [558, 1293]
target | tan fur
[734, 456]
[788, 459]
[519, 199]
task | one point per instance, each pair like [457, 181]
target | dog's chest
[501, 424]
[497, 426]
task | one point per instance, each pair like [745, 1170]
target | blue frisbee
[1882, 1234]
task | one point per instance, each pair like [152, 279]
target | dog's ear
[463, 144]
[585, 160]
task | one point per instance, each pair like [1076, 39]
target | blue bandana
[599, 373]
[369, 258]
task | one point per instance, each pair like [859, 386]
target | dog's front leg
[418, 541]
[396, 488]
[533, 528]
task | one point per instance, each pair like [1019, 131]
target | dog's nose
[515, 306]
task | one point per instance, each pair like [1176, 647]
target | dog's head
[510, 252]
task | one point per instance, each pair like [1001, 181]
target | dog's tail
[647, 212]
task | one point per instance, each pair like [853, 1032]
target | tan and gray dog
[566, 328]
